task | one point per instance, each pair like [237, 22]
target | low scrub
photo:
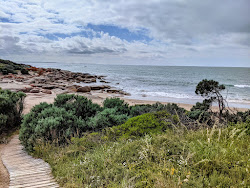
[147, 108]
[107, 118]
[7, 67]
[51, 124]
[81, 106]
[72, 115]
[58, 122]
[149, 123]
[218, 157]
[11, 107]
[120, 105]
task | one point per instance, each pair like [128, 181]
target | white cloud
[179, 29]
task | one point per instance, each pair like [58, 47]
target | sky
[146, 32]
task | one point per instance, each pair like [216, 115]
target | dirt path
[24, 170]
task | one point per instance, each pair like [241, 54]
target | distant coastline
[43, 87]
[167, 83]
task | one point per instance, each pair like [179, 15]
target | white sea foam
[171, 95]
[242, 86]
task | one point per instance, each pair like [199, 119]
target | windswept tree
[211, 91]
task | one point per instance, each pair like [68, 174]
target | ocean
[167, 83]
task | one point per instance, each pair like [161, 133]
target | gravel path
[24, 170]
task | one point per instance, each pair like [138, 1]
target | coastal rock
[72, 88]
[35, 90]
[47, 91]
[89, 80]
[101, 77]
[26, 89]
[40, 80]
[97, 87]
[90, 76]
[113, 90]
[106, 86]
[84, 89]
[49, 87]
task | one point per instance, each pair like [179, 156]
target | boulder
[47, 91]
[84, 89]
[35, 90]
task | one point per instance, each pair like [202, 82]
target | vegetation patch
[157, 145]
[7, 67]
[174, 158]
[11, 107]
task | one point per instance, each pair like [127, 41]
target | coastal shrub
[200, 112]
[119, 104]
[238, 117]
[217, 157]
[7, 67]
[11, 107]
[107, 118]
[80, 105]
[149, 123]
[171, 108]
[140, 109]
[24, 71]
[49, 123]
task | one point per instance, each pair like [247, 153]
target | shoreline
[43, 84]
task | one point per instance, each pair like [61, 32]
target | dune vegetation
[117, 145]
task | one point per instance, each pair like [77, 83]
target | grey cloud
[90, 51]
[178, 20]
[9, 45]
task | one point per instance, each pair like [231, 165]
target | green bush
[11, 107]
[7, 67]
[149, 123]
[107, 118]
[238, 117]
[200, 112]
[49, 123]
[24, 71]
[67, 117]
[120, 105]
[147, 108]
[80, 105]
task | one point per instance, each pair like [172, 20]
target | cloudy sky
[155, 32]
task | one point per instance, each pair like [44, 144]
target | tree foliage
[211, 90]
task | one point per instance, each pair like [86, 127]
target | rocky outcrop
[84, 89]
[47, 81]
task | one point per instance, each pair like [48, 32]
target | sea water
[167, 83]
